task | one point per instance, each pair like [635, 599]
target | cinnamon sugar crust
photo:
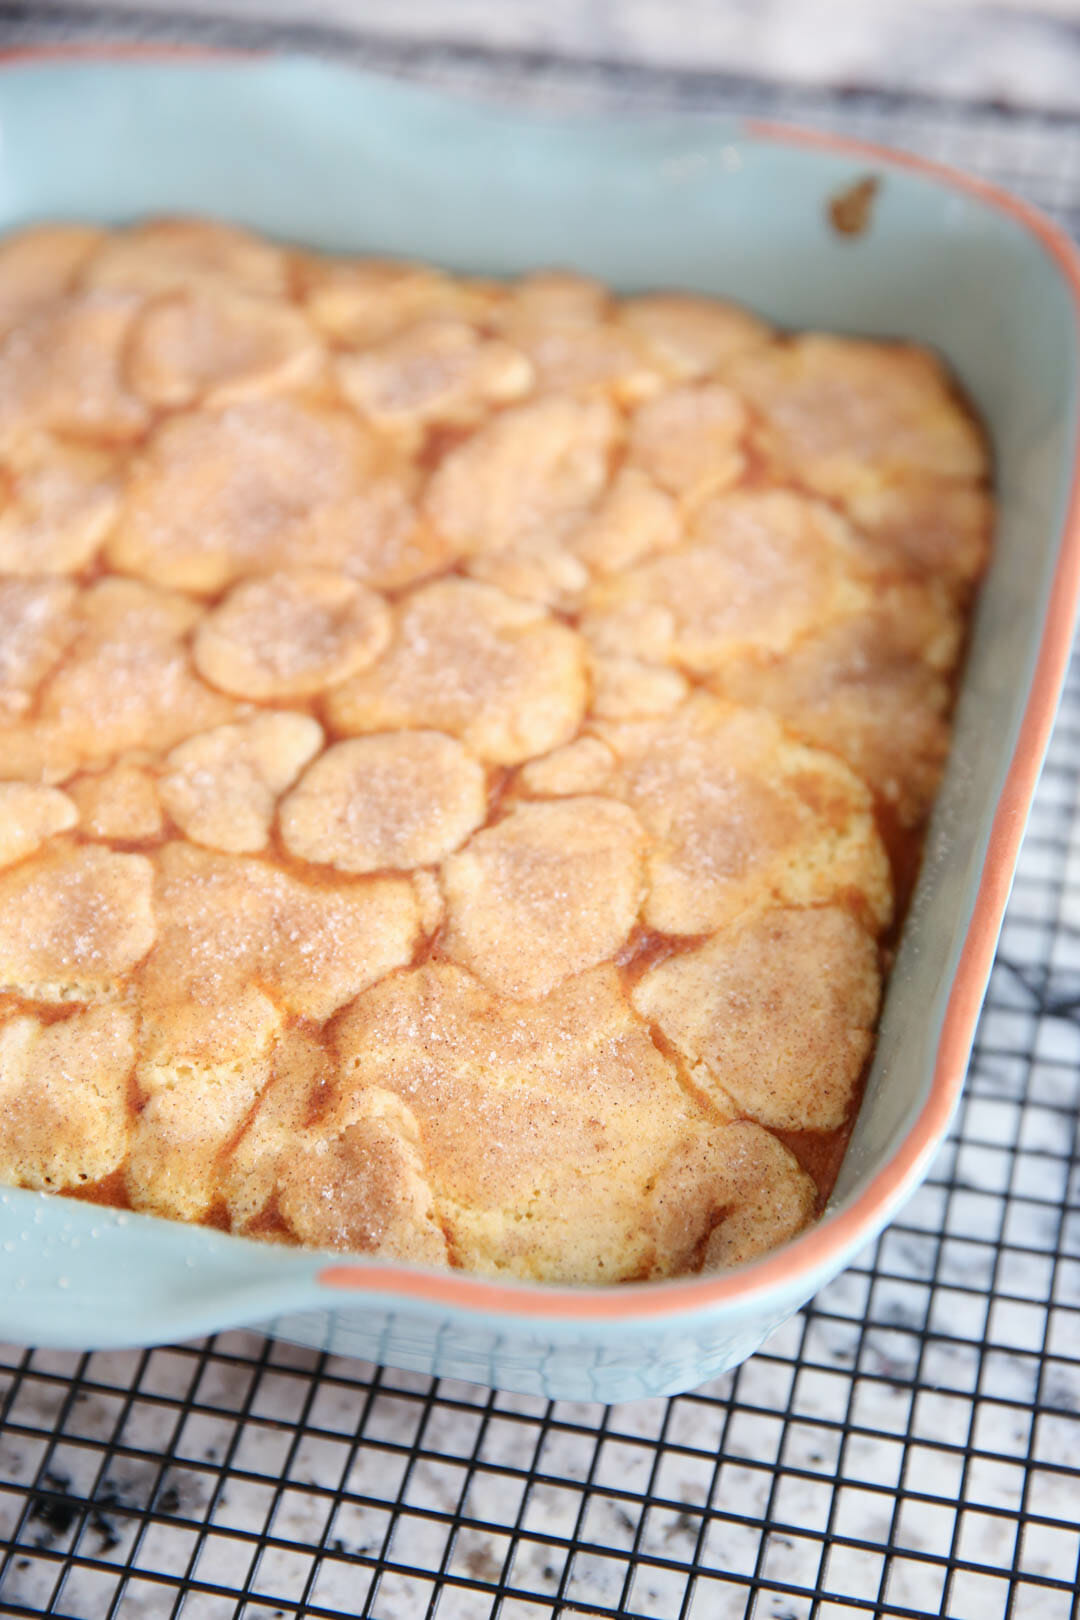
[463, 745]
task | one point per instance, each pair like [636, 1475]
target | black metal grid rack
[907, 1446]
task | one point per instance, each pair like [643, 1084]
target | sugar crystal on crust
[471, 660]
[29, 815]
[550, 890]
[74, 920]
[391, 801]
[689, 440]
[737, 811]
[777, 1011]
[757, 570]
[543, 1123]
[362, 302]
[222, 786]
[64, 1117]
[534, 467]
[119, 802]
[220, 347]
[439, 370]
[128, 682]
[290, 634]
[36, 625]
[62, 372]
[62, 503]
[228, 920]
[217, 495]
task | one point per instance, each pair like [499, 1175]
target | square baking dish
[325, 156]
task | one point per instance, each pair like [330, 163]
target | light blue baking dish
[326, 156]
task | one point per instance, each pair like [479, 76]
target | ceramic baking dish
[323, 155]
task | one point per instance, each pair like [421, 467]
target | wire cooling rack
[907, 1446]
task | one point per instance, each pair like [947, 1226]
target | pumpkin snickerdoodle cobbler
[464, 746]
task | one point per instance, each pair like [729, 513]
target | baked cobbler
[464, 746]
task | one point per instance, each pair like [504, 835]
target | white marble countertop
[1024, 54]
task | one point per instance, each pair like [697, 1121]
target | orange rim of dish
[816, 1251]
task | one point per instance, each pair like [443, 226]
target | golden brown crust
[470, 660]
[221, 494]
[551, 890]
[218, 347]
[777, 1010]
[74, 921]
[62, 372]
[167, 255]
[388, 802]
[447, 736]
[534, 469]
[737, 814]
[290, 634]
[64, 499]
[64, 1097]
[221, 787]
[39, 265]
[227, 921]
[544, 1123]
[691, 336]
